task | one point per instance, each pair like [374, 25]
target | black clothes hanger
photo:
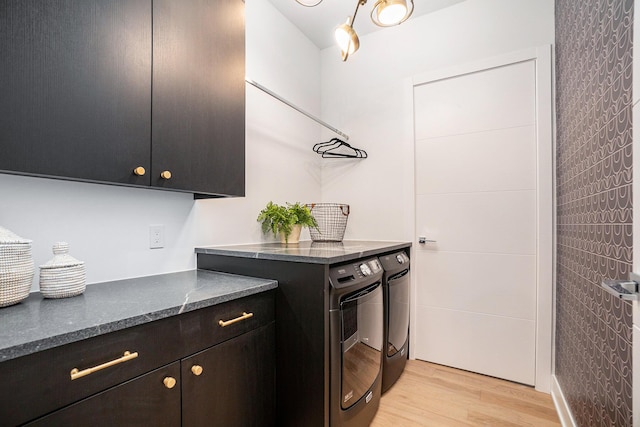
[337, 148]
[321, 145]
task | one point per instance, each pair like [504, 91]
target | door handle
[623, 289]
[422, 240]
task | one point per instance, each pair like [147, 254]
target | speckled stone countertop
[307, 251]
[38, 324]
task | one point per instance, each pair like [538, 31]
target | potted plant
[286, 221]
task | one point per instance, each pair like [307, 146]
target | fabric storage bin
[63, 276]
[16, 268]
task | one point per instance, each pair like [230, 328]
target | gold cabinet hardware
[165, 175]
[169, 382]
[140, 171]
[237, 319]
[196, 369]
[75, 373]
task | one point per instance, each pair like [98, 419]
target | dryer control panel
[395, 262]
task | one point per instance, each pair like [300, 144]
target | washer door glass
[361, 315]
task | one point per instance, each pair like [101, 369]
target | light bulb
[387, 13]
[392, 14]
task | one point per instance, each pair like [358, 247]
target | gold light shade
[387, 13]
[347, 39]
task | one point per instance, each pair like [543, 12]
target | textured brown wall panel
[594, 202]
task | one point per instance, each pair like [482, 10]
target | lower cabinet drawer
[42, 382]
[212, 325]
[150, 400]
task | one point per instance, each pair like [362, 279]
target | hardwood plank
[433, 395]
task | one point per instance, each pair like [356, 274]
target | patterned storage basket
[63, 276]
[16, 268]
[332, 221]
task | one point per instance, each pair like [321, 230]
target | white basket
[16, 268]
[63, 276]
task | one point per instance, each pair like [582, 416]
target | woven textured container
[16, 268]
[63, 276]
[332, 221]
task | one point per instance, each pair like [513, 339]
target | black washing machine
[355, 342]
[397, 288]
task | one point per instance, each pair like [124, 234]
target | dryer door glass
[398, 312]
[361, 315]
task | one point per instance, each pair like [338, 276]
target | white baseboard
[564, 413]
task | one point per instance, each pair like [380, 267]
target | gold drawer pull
[197, 370]
[75, 373]
[237, 319]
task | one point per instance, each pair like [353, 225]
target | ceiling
[318, 23]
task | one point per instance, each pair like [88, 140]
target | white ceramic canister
[16, 268]
[63, 276]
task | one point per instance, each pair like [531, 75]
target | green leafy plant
[281, 219]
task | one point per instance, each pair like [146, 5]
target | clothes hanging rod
[295, 107]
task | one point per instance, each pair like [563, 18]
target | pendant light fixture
[346, 36]
[385, 13]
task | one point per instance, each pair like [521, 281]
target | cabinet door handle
[196, 370]
[140, 171]
[165, 175]
[75, 373]
[244, 316]
[169, 382]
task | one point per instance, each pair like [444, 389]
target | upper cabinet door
[75, 80]
[198, 119]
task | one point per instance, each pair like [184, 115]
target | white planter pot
[294, 237]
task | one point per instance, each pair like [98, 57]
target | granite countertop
[307, 251]
[38, 324]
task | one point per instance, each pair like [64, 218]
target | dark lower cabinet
[143, 401]
[214, 366]
[231, 384]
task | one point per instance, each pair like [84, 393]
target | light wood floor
[433, 395]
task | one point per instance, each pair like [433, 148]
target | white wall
[280, 163]
[107, 226]
[367, 98]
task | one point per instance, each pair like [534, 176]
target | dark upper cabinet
[198, 114]
[92, 89]
[75, 85]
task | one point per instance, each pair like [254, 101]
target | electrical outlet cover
[156, 236]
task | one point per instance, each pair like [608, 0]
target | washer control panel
[368, 268]
[350, 274]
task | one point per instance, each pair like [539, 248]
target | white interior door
[476, 166]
